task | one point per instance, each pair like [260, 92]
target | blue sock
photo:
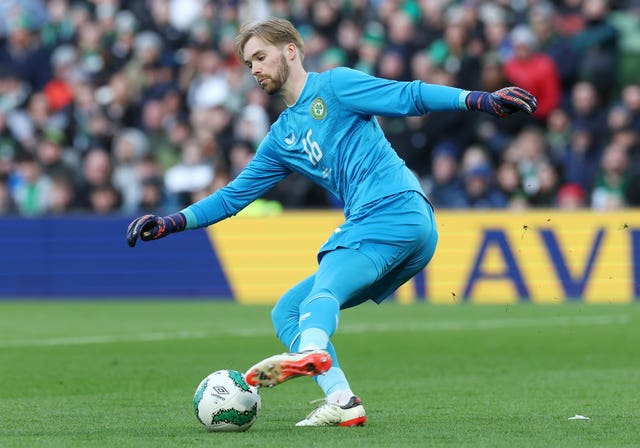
[335, 386]
[313, 338]
[320, 311]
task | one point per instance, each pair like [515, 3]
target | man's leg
[307, 315]
[286, 317]
[343, 275]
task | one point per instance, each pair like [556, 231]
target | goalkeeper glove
[152, 227]
[502, 102]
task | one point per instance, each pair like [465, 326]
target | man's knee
[285, 325]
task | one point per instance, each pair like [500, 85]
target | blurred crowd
[135, 106]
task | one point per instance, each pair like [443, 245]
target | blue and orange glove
[502, 102]
[152, 227]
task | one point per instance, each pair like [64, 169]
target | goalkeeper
[329, 133]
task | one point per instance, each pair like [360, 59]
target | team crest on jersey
[318, 109]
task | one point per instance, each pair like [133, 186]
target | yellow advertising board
[545, 256]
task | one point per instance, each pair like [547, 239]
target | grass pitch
[118, 374]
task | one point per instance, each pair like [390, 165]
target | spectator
[548, 185]
[105, 199]
[59, 29]
[62, 196]
[348, 39]
[129, 148]
[450, 54]
[157, 134]
[170, 19]
[53, 157]
[27, 124]
[597, 48]
[401, 37]
[119, 102]
[557, 133]
[631, 100]
[609, 191]
[587, 112]
[571, 196]
[533, 70]
[31, 193]
[153, 196]
[147, 51]
[480, 190]
[91, 53]
[192, 174]
[90, 126]
[532, 156]
[240, 155]
[626, 21]
[122, 47]
[479, 183]
[209, 87]
[496, 30]
[558, 47]
[390, 66]
[569, 19]
[580, 160]
[252, 124]
[370, 48]
[24, 53]
[97, 169]
[446, 189]
[59, 90]
[509, 182]
[14, 91]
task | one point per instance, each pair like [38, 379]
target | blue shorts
[397, 233]
[367, 258]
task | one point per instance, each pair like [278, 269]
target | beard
[275, 83]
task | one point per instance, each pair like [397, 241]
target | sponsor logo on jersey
[318, 109]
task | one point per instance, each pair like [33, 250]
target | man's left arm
[370, 95]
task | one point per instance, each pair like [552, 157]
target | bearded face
[273, 84]
[268, 64]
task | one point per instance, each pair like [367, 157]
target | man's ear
[291, 51]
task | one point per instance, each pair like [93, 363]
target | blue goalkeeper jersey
[331, 136]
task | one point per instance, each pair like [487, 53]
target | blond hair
[275, 31]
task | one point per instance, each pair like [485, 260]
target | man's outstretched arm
[261, 174]
[370, 95]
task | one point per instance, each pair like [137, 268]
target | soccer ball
[225, 402]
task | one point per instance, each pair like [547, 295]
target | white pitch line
[488, 324]
[106, 339]
[379, 327]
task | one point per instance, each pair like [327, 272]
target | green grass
[118, 374]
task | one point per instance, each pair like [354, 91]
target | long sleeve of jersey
[369, 95]
[259, 176]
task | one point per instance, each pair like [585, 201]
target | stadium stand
[128, 106]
